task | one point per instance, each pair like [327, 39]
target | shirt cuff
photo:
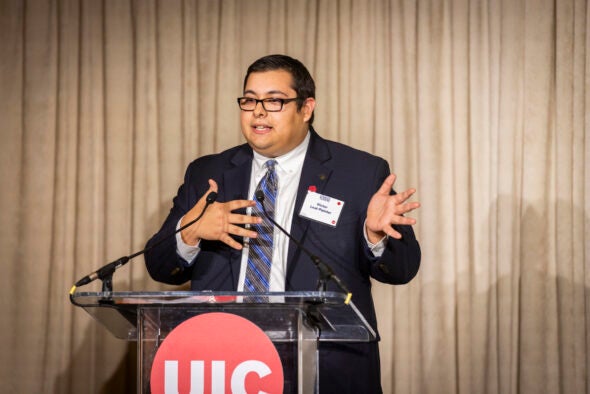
[187, 252]
[378, 248]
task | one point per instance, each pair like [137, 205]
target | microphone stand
[105, 273]
[325, 271]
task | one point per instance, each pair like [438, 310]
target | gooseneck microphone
[105, 273]
[326, 272]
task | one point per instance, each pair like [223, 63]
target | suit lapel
[315, 172]
[234, 186]
[236, 179]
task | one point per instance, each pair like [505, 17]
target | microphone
[105, 273]
[326, 272]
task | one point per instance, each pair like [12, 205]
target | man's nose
[259, 109]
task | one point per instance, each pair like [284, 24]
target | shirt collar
[289, 162]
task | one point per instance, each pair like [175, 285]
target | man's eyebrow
[269, 92]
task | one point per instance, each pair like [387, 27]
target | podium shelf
[276, 313]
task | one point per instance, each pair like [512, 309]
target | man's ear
[307, 108]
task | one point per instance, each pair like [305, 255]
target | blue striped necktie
[261, 248]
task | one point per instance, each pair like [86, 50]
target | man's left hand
[386, 210]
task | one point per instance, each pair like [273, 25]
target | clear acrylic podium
[294, 321]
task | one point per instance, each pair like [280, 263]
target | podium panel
[294, 322]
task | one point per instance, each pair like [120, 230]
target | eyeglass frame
[283, 101]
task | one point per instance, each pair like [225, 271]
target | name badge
[321, 208]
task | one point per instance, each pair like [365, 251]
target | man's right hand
[218, 223]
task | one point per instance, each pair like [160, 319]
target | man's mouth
[261, 128]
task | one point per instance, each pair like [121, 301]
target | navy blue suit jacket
[336, 170]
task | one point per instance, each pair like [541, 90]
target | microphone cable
[326, 272]
[108, 270]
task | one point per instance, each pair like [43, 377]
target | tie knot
[270, 165]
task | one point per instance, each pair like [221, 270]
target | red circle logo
[217, 353]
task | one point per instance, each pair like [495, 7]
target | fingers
[239, 204]
[244, 219]
[407, 207]
[405, 195]
[400, 210]
[392, 232]
[394, 214]
[386, 210]
[212, 189]
[239, 231]
[228, 223]
[401, 206]
[228, 240]
[403, 220]
[212, 186]
[397, 220]
[387, 185]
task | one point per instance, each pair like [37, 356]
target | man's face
[273, 134]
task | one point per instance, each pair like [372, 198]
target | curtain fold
[480, 105]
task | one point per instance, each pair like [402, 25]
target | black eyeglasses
[269, 104]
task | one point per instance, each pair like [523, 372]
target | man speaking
[234, 246]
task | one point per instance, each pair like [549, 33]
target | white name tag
[321, 208]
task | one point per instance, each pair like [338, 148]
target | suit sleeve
[400, 260]
[162, 261]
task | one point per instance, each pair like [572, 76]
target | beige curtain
[480, 105]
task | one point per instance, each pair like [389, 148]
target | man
[371, 238]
